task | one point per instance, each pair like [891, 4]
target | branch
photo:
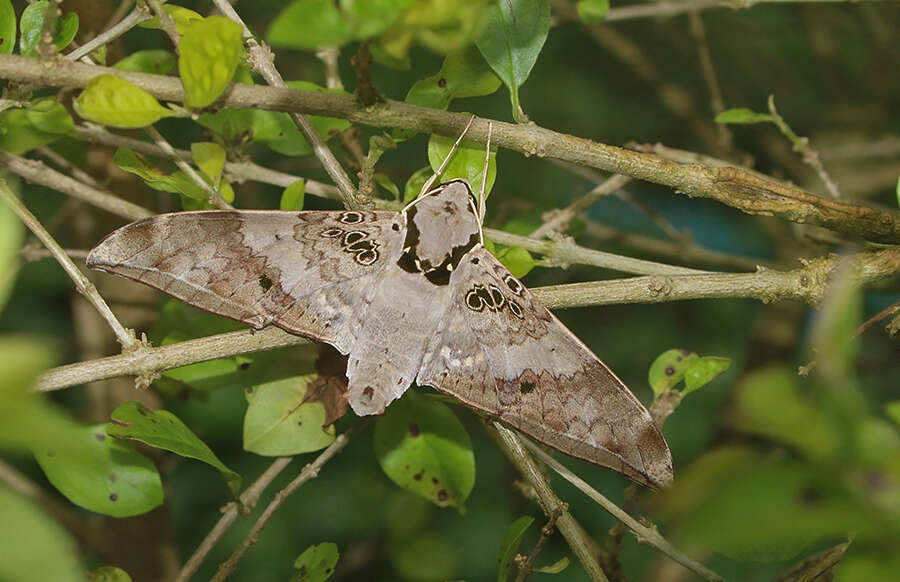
[310, 471]
[735, 187]
[645, 534]
[549, 502]
[804, 284]
[657, 9]
[246, 502]
[82, 284]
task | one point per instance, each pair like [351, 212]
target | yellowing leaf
[113, 101]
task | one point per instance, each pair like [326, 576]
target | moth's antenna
[430, 182]
[482, 197]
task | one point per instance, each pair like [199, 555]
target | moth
[408, 296]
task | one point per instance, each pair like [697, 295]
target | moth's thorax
[441, 227]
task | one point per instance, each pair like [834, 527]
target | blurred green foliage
[770, 467]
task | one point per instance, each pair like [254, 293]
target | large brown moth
[408, 296]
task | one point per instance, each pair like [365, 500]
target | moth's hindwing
[504, 353]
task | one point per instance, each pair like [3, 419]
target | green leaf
[163, 430]
[463, 74]
[834, 339]
[210, 158]
[155, 61]
[292, 197]
[111, 100]
[33, 546]
[704, 371]
[308, 24]
[668, 369]
[109, 574]
[593, 11]
[44, 121]
[554, 568]
[177, 183]
[32, 25]
[387, 184]
[7, 27]
[467, 162]
[742, 115]
[316, 563]
[517, 260]
[239, 126]
[278, 421]
[422, 447]
[113, 479]
[893, 411]
[415, 182]
[209, 54]
[769, 403]
[515, 35]
[509, 547]
[290, 141]
[182, 16]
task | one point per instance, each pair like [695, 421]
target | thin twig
[526, 563]
[511, 445]
[716, 102]
[82, 284]
[645, 534]
[310, 471]
[657, 9]
[560, 219]
[215, 197]
[247, 500]
[801, 146]
[136, 16]
[264, 62]
[37, 173]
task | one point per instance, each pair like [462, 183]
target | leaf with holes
[668, 369]
[422, 447]
[279, 421]
[164, 430]
[316, 563]
[112, 478]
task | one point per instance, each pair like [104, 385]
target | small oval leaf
[422, 447]
[515, 34]
[743, 116]
[280, 422]
[703, 371]
[164, 430]
[210, 158]
[110, 478]
[109, 574]
[7, 27]
[668, 369]
[292, 197]
[316, 563]
[111, 100]
[467, 162]
[209, 54]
